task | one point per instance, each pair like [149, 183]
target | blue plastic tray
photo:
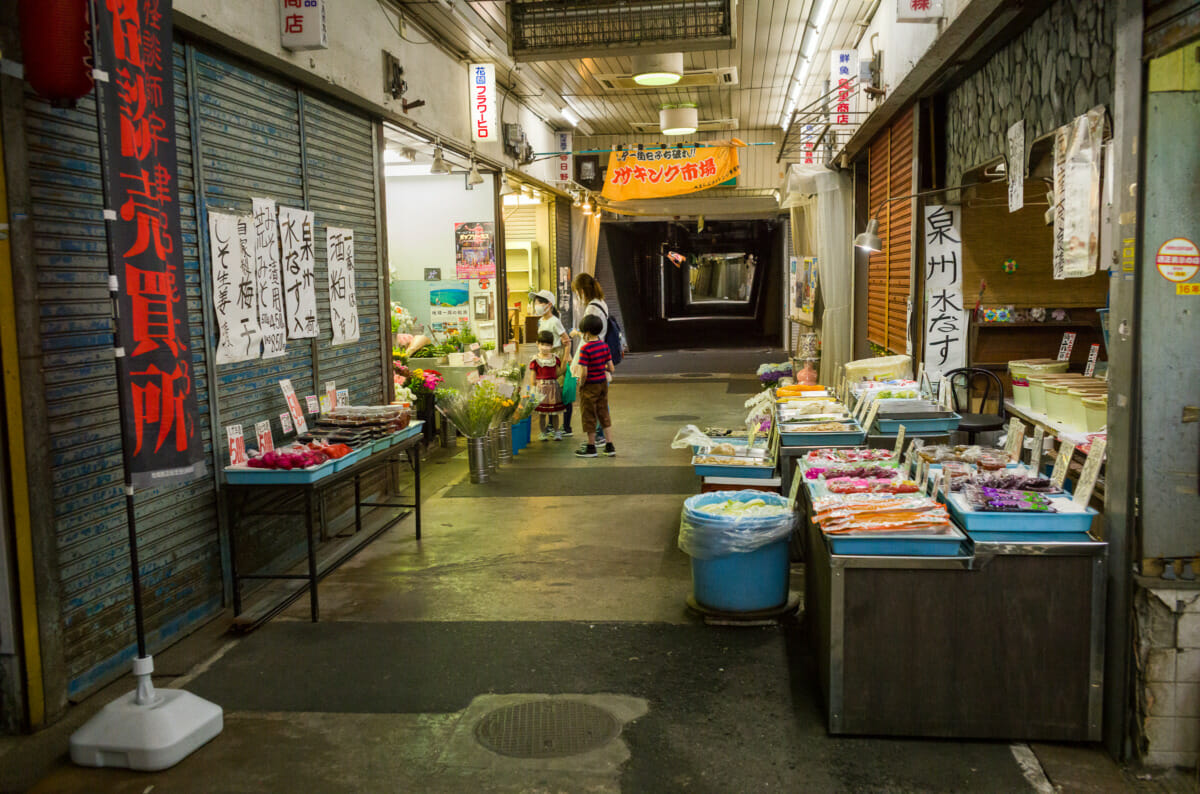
[380, 444]
[244, 475]
[413, 429]
[918, 425]
[849, 438]
[742, 472]
[974, 522]
[953, 545]
[347, 461]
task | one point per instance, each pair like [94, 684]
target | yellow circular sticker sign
[1178, 259]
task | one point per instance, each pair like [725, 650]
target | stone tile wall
[1168, 622]
[1055, 70]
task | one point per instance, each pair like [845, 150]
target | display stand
[282, 500]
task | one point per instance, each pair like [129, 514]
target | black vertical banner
[135, 107]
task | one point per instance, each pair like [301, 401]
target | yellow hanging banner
[657, 173]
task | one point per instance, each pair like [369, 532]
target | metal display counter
[1004, 644]
[244, 501]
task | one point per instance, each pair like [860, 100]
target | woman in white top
[548, 320]
[591, 295]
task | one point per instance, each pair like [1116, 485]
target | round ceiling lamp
[658, 69]
[678, 119]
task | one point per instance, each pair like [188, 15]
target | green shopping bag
[569, 387]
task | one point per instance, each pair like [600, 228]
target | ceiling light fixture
[658, 69]
[578, 202]
[678, 119]
[473, 176]
[439, 163]
[570, 116]
[505, 188]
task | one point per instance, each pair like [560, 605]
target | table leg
[312, 555]
[415, 457]
[357, 505]
[232, 523]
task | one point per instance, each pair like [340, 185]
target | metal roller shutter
[520, 224]
[607, 278]
[891, 174]
[339, 150]
[562, 254]
[177, 527]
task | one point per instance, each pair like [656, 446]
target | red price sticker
[237, 445]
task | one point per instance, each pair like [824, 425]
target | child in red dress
[547, 370]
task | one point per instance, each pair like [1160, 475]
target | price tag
[860, 410]
[1039, 450]
[911, 455]
[293, 404]
[935, 482]
[1091, 471]
[899, 444]
[265, 442]
[285, 421]
[871, 414]
[922, 474]
[944, 398]
[331, 392]
[1068, 344]
[1093, 356]
[237, 445]
[1016, 439]
[511, 347]
[343, 398]
[326, 406]
[314, 405]
[1065, 450]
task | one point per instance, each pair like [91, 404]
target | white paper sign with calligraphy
[265, 240]
[299, 282]
[234, 288]
[945, 318]
[343, 300]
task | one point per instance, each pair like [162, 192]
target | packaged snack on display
[990, 500]
[832, 456]
[880, 513]
[1012, 481]
[863, 471]
[842, 485]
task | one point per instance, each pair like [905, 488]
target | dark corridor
[683, 288]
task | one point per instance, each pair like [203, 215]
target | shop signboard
[843, 68]
[302, 25]
[919, 10]
[482, 88]
[136, 113]
[265, 245]
[945, 319]
[565, 141]
[343, 297]
[475, 250]
[645, 174]
[299, 278]
[235, 289]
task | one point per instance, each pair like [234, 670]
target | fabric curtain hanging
[585, 239]
[835, 257]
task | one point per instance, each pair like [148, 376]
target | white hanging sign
[945, 318]
[565, 141]
[234, 288]
[482, 85]
[270, 282]
[919, 10]
[299, 281]
[1016, 166]
[302, 25]
[843, 68]
[343, 300]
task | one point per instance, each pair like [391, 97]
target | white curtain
[585, 239]
[832, 224]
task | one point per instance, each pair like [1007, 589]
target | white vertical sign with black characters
[265, 240]
[343, 301]
[234, 288]
[945, 317]
[299, 280]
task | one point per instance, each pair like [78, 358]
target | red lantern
[56, 46]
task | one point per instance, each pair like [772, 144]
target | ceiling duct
[544, 30]
[698, 78]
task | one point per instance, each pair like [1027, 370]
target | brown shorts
[593, 399]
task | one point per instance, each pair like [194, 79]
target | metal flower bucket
[504, 440]
[477, 454]
[493, 452]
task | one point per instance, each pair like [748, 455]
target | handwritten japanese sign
[237, 445]
[235, 291]
[135, 111]
[1016, 166]
[263, 431]
[343, 298]
[668, 172]
[945, 319]
[299, 282]
[265, 238]
[293, 404]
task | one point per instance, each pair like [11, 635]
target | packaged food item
[873, 512]
[993, 460]
[1003, 500]
[867, 485]
[863, 470]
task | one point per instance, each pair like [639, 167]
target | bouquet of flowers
[527, 402]
[769, 375]
[419, 382]
[403, 393]
[471, 414]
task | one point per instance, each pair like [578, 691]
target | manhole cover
[546, 729]
[676, 418]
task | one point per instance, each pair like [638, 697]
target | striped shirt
[594, 355]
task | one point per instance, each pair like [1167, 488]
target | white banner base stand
[148, 729]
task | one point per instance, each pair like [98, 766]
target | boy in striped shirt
[596, 360]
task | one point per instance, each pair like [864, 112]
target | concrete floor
[539, 595]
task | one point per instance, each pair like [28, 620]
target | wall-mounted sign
[945, 319]
[299, 281]
[668, 172]
[343, 294]
[1177, 259]
[265, 245]
[564, 141]
[235, 288]
[302, 25]
[919, 10]
[843, 68]
[482, 87]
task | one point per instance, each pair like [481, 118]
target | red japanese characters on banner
[154, 356]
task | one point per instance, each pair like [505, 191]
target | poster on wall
[475, 250]
[343, 297]
[299, 279]
[804, 294]
[271, 318]
[945, 318]
[449, 307]
[235, 294]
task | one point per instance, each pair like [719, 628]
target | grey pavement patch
[463, 750]
[677, 418]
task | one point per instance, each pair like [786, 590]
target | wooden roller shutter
[891, 175]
